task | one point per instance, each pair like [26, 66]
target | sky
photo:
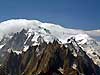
[78, 14]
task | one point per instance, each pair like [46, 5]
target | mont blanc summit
[31, 47]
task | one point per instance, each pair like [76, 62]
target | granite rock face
[49, 59]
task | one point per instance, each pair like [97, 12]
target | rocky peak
[51, 59]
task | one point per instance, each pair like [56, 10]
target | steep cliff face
[50, 59]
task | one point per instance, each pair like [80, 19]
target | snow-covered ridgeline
[49, 32]
[16, 25]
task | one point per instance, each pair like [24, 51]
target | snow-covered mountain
[25, 37]
[19, 34]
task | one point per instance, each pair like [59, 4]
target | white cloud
[94, 33]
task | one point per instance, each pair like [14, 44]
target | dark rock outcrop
[49, 59]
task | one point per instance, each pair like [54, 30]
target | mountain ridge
[23, 34]
[17, 25]
[32, 30]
